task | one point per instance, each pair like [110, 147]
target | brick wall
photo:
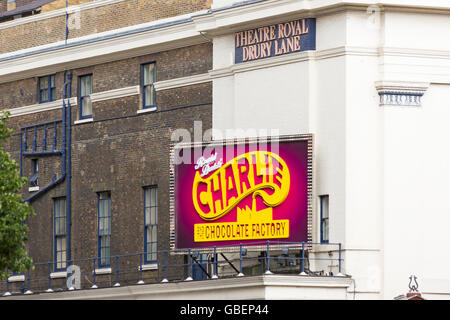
[59, 4]
[121, 155]
[99, 19]
[2, 6]
[194, 60]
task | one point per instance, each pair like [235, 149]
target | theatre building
[217, 149]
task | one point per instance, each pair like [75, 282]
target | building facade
[120, 134]
[370, 84]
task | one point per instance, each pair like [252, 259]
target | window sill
[58, 275]
[84, 121]
[103, 271]
[146, 110]
[19, 278]
[33, 189]
[150, 266]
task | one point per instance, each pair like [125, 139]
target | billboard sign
[231, 193]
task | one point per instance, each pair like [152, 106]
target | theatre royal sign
[227, 193]
[275, 40]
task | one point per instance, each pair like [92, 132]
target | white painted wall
[416, 210]
[385, 168]
[416, 158]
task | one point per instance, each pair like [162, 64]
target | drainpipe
[69, 169]
[67, 25]
[21, 153]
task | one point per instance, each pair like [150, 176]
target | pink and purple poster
[228, 194]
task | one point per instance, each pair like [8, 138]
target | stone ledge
[274, 286]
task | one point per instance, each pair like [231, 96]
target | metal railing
[249, 259]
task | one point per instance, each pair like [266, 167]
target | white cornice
[17, 278]
[292, 58]
[182, 82]
[95, 97]
[247, 14]
[401, 93]
[402, 86]
[58, 275]
[58, 12]
[47, 106]
[115, 93]
[419, 53]
[431, 55]
[174, 32]
[104, 48]
[239, 287]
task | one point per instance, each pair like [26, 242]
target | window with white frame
[324, 218]
[47, 89]
[60, 233]
[85, 90]
[148, 90]
[151, 224]
[104, 229]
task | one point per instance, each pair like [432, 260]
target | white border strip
[58, 275]
[58, 12]
[18, 278]
[115, 93]
[21, 111]
[103, 271]
[182, 82]
[112, 94]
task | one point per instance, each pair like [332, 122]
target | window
[11, 5]
[104, 229]
[47, 90]
[60, 233]
[34, 180]
[85, 90]
[151, 224]
[148, 89]
[324, 218]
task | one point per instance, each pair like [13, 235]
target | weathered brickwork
[60, 4]
[103, 18]
[108, 76]
[19, 93]
[120, 151]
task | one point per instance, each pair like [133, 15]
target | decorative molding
[151, 266]
[250, 13]
[40, 107]
[58, 12]
[175, 32]
[58, 275]
[182, 82]
[292, 58]
[147, 110]
[95, 97]
[83, 121]
[103, 271]
[401, 93]
[261, 64]
[33, 189]
[414, 52]
[116, 45]
[18, 278]
[115, 93]
[254, 287]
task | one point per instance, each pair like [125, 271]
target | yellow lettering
[245, 181]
